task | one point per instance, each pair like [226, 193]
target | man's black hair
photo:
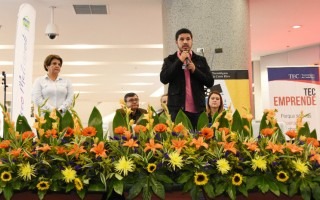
[130, 94]
[181, 31]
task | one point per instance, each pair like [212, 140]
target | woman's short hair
[49, 59]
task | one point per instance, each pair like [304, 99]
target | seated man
[132, 101]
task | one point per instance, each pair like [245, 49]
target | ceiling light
[296, 26]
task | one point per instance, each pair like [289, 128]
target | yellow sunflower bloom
[259, 162]
[200, 178]
[124, 166]
[26, 171]
[223, 166]
[6, 176]
[282, 176]
[43, 185]
[175, 160]
[237, 179]
[69, 174]
[151, 167]
[78, 184]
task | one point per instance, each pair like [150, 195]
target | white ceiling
[129, 41]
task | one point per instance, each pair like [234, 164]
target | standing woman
[51, 86]
[214, 104]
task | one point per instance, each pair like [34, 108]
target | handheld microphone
[186, 62]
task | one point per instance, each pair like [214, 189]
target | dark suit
[173, 74]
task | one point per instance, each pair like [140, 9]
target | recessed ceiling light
[296, 26]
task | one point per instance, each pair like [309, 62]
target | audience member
[163, 101]
[132, 101]
[214, 104]
[51, 87]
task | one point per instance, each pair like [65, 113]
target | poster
[234, 88]
[292, 90]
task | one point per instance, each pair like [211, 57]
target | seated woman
[214, 104]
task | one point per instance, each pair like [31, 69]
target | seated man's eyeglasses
[133, 100]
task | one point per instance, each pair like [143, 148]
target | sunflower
[237, 179]
[6, 176]
[43, 185]
[124, 166]
[26, 171]
[200, 178]
[151, 167]
[282, 176]
[69, 174]
[78, 184]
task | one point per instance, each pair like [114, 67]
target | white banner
[295, 89]
[23, 63]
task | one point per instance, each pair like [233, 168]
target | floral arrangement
[156, 155]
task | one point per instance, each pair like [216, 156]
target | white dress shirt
[59, 93]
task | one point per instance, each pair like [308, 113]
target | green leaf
[22, 124]
[263, 185]
[231, 190]
[252, 182]
[7, 192]
[194, 193]
[146, 193]
[293, 189]
[208, 188]
[188, 185]
[220, 188]
[313, 134]
[41, 194]
[164, 178]
[203, 121]
[118, 120]
[305, 191]
[69, 187]
[136, 188]
[157, 188]
[67, 121]
[182, 118]
[273, 187]
[304, 131]
[95, 120]
[81, 193]
[184, 177]
[242, 188]
[283, 187]
[315, 190]
[236, 122]
[118, 187]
